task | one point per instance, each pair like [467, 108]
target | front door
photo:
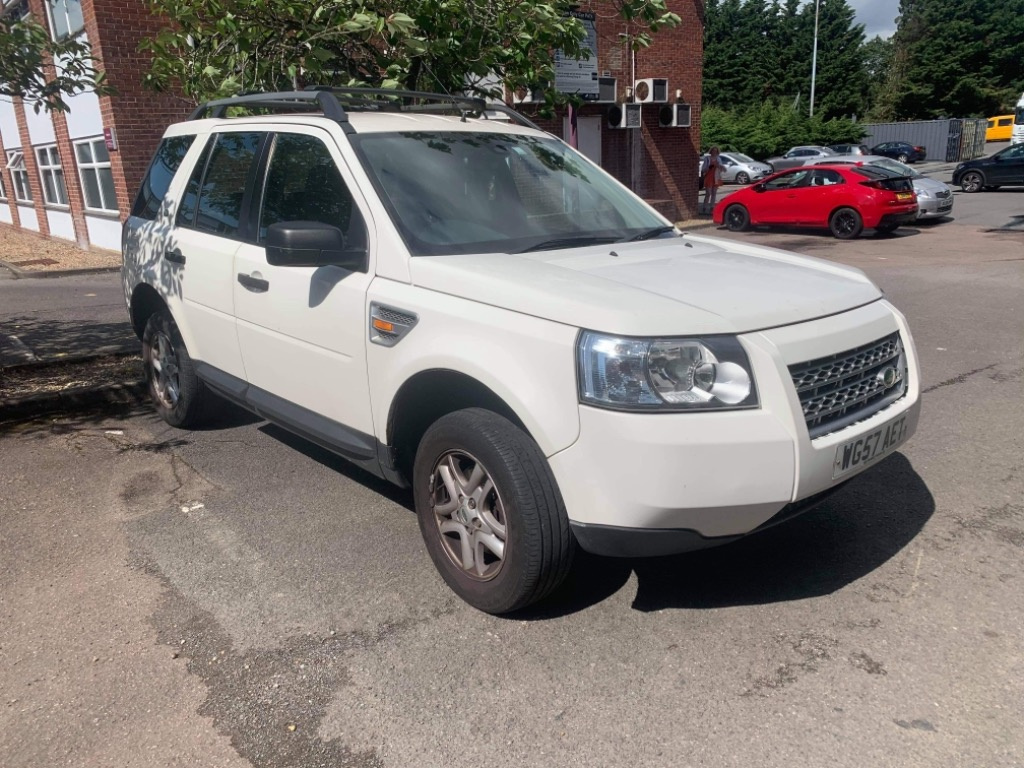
[303, 330]
[1008, 168]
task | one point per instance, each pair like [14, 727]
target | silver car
[934, 199]
[738, 168]
[798, 156]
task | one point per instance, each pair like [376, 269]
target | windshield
[896, 166]
[1018, 116]
[742, 158]
[462, 192]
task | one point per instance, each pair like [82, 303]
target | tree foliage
[756, 50]
[958, 59]
[224, 47]
[25, 51]
[771, 129]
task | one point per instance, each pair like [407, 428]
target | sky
[877, 16]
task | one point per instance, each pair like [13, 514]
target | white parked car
[738, 168]
[471, 308]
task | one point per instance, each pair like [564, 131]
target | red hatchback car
[845, 199]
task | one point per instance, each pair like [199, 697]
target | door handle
[257, 284]
[175, 257]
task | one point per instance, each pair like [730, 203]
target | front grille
[943, 194]
[841, 389]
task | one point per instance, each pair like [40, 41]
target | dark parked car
[1004, 168]
[850, 149]
[900, 150]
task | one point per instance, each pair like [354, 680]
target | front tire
[972, 181]
[742, 178]
[490, 512]
[178, 395]
[846, 224]
[736, 218]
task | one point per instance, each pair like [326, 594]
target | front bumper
[654, 484]
[933, 208]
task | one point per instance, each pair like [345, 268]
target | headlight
[664, 374]
[922, 193]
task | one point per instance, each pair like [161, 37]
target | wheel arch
[427, 396]
[145, 302]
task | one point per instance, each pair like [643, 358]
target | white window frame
[19, 175]
[44, 162]
[95, 167]
[51, 13]
[3, 189]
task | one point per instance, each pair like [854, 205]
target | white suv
[468, 306]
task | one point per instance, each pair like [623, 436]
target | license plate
[903, 195]
[867, 448]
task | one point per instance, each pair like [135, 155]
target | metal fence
[951, 140]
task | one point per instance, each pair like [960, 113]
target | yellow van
[999, 128]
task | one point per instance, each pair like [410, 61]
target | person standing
[711, 172]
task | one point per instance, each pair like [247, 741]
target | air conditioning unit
[674, 116]
[608, 88]
[651, 90]
[624, 116]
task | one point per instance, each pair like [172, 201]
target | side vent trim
[389, 325]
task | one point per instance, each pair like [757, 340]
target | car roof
[365, 123]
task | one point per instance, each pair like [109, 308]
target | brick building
[73, 175]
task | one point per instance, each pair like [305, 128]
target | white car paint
[512, 321]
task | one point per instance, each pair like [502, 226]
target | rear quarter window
[166, 162]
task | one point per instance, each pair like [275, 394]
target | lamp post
[814, 56]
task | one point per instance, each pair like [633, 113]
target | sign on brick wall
[579, 76]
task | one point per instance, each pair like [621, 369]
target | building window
[97, 178]
[3, 189]
[19, 175]
[55, 191]
[66, 18]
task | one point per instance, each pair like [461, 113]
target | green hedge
[771, 129]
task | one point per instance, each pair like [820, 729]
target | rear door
[206, 236]
[303, 330]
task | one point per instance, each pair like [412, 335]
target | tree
[957, 59]
[223, 47]
[25, 51]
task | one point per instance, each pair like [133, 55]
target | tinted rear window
[165, 164]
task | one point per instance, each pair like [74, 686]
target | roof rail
[330, 100]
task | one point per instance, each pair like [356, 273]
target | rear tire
[178, 395]
[902, 158]
[845, 223]
[972, 181]
[490, 511]
[736, 218]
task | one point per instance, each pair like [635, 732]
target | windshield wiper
[569, 242]
[652, 233]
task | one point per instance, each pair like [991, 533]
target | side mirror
[312, 244]
[758, 187]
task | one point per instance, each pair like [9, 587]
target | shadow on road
[852, 534]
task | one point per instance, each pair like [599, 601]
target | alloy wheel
[166, 370]
[469, 514]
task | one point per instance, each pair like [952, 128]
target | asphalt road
[234, 597]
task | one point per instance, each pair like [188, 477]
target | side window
[186, 215]
[227, 177]
[304, 184]
[165, 164]
[1004, 121]
[826, 178]
[789, 180]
